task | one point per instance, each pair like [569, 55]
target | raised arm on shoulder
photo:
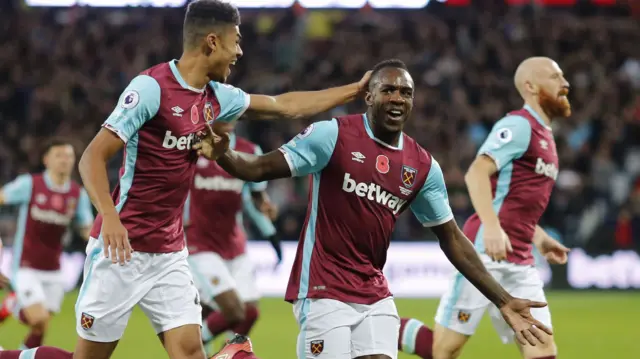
[303, 104]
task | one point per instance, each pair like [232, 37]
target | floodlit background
[62, 69]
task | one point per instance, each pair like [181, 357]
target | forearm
[241, 165]
[303, 104]
[479, 187]
[463, 256]
[93, 170]
[539, 235]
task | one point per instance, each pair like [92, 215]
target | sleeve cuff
[116, 132]
[490, 155]
[438, 222]
[287, 158]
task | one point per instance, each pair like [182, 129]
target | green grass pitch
[587, 324]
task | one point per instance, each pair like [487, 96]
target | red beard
[555, 106]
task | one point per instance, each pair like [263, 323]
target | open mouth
[395, 114]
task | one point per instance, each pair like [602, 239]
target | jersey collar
[536, 116]
[181, 81]
[370, 133]
[48, 181]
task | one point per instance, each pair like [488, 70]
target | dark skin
[392, 89]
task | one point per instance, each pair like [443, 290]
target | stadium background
[62, 69]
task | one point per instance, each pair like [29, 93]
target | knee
[39, 324]
[445, 349]
[191, 350]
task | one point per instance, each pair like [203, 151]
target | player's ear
[211, 43]
[368, 98]
[531, 87]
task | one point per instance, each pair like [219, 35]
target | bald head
[532, 71]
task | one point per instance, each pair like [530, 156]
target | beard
[555, 106]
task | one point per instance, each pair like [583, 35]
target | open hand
[553, 251]
[211, 145]
[527, 329]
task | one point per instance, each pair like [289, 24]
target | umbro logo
[177, 111]
[358, 157]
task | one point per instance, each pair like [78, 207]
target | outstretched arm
[292, 105]
[432, 209]
[460, 251]
[308, 152]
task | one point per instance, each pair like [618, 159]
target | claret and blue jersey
[158, 117]
[524, 151]
[46, 211]
[359, 187]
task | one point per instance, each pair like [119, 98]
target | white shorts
[462, 306]
[214, 275]
[335, 330]
[34, 286]
[160, 283]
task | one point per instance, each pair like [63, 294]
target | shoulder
[410, 144]
[511, 127]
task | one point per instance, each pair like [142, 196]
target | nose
[239, 53]
[396, 97]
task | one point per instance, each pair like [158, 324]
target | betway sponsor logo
[372, 192]
[48, 216]
[549, 170]
[218, 183]
[618, 270]
[180, 143]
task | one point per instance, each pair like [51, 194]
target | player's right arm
[508, 140]
[17, 191]
[431, 208]
[307, 153]
[138, 104]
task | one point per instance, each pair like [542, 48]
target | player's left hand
[364, 82]
[553, 251]
[527, 329]
[211, 145]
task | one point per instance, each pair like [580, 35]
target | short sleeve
[431, 205]
[84, 213]
[233, 101]
[509, 139]
[18, 191]
[257, 186]
[311, 150]
[139, 103]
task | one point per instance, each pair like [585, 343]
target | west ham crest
[195, 114]
[208, 112]
[316, 347]
[408, 176]
[86, 321]
[463, 316]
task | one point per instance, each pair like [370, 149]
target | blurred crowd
[62, 70]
